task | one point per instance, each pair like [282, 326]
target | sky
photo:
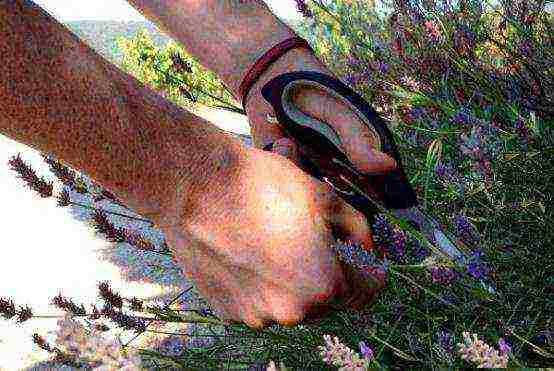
[64, 10]
[73, 10]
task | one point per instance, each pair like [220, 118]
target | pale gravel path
[47, 249]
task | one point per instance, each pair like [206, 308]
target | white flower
[93, 347]
[480, 353]
[337, 354]
[272, 367]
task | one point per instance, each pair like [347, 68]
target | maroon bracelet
[263, 63]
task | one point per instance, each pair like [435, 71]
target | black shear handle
[393, 188]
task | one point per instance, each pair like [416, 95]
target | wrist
[205, 163]
[297, 59]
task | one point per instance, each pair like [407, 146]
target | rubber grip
[393, 188]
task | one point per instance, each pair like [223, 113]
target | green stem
[442, 132]
[396, 350]
[416, 267]
[165, 308]
[192, 317]
[110, 212]
[421, 287]
[227, 106]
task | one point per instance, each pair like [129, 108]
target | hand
[358, 140]
[258, 247]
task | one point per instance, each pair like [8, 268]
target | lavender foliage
[443, 275]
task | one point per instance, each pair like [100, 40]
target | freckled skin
[60, 97]
[250, 227]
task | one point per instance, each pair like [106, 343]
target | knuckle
[328, 290]
[290, 320]
[290, 316]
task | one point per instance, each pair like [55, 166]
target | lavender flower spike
[390, 238]
[504, 347]
[303, 8]
[466, 229]
[366, 351]
[92, 346]
[356, 256]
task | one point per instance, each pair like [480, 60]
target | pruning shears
[324, 157]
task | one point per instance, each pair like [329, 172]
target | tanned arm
[60, 97]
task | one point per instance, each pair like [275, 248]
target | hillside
[102, 35]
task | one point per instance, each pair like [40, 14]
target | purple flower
[365, 262]
[526, 47]
[480, 145]
[303, 8]
[466, 230]
[366, 351]
[383, 67]
[522, 129]
[443, 275]
[418, 251]
[354, 254]
[441, 170]
[206, 312]
[416, 113]
[463, 117]
[172, 346]
[446, 6]
[354, 79]
[504, 347]
[389, 238]
[477, 268]
[464, 39]
[449, 176]
[446, 341]
[398, 243]
[353, 61]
